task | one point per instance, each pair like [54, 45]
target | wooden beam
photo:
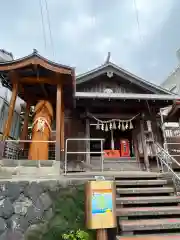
[44, 90]
[136, 151]
[58, 121]
[7, 126]
[146, 159]
[87, 142]
[33, 80]
[62, 127]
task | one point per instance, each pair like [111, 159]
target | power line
[43, 25]
[137, 19]
[49, 26]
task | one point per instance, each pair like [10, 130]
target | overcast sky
[83, 31]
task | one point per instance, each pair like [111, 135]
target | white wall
[5, 96]
[173, 81]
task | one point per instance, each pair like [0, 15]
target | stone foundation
[25, 204]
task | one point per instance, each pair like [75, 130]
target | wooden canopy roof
[129, 77]
[38, 77]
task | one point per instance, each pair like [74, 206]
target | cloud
[84, 31]
[75, 30]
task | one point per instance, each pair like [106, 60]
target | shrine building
[104, 119]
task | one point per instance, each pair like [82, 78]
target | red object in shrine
[125, 149]
[111, 154]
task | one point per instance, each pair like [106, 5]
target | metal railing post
[65, 158]
[83, 152]
[166, 160]
[102, 157]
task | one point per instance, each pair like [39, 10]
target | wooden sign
[100, 205]
[173, 142]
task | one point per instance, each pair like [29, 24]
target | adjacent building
[5, 96]
[172, 83]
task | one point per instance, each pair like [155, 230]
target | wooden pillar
[7, 127]
[136, 152]
[58, 121]
[102, 234]
[87, 142]
[62, 129]
[146, 159]
[24, 132]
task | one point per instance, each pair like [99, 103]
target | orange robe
[41, 130]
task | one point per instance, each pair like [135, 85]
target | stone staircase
[116, 164]
[147, 208]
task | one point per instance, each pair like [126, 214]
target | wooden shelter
[34, 78]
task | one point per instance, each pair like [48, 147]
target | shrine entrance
[117, 143]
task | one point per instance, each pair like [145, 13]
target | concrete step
[149, 224]
[151, 237]
[141, 182]
[154, 190]
[26, 163]
[148, 211]
[148, 200]
[118, 174]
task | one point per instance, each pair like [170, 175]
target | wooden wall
[75, 127]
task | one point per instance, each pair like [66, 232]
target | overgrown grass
[69, 215]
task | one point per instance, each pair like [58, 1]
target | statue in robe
[41, 131]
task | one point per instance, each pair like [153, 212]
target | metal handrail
[167, 154]
[28, 141]
[168, 164]
[84, 152]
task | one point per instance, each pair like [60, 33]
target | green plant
[76, 235]
[69, 217]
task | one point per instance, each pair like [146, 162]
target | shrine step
[154, 182]
[26, 163]
[150, 224]
[118, 174]
[148, 190]
[148, 211]
[151, 237]
[147, 200]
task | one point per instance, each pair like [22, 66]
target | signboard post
[100, 207]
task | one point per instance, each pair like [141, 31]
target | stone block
[6, 208]
[3, 190]
[33, 191]
[12, 235]
[17, 222]
[48, 214]
[34, 215]
[50, 185]
[3, 225]
[13, 190]
[45, 200]
[21, 205]
[13, 222]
